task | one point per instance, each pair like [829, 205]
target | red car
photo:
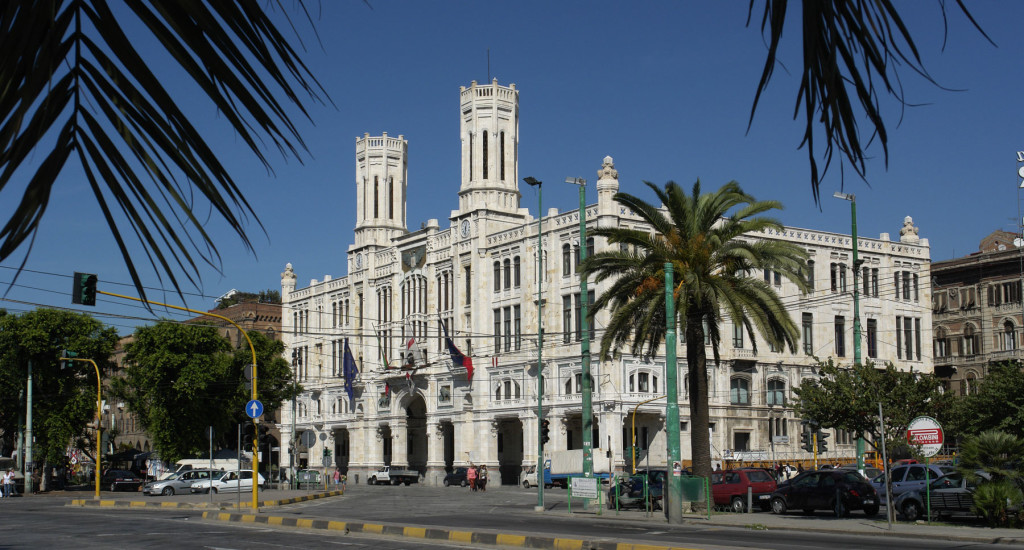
[729, 488]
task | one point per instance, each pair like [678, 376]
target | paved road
[43, 521]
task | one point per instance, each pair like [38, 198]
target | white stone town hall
[477, 274]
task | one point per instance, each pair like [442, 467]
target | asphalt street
[44, 521]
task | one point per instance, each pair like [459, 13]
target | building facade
[476, 278]
[978, 311]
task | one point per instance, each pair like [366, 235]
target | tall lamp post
[856, 305]
[587, 416]
[540, 345]
[674, 494]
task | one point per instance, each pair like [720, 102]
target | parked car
[528, 478]
[456, 477]
[951, 494]
[629, 492]
[120, 480]
[227, 482]
[178, 482]
[729, 488]
[838, 490]
[870, 472]
[909, 477]
[19, 478]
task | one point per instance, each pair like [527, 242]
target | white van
[227, 482]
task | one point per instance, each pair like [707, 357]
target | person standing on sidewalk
[481, 480]
[471, 477]
[337, 479]
[8, 483]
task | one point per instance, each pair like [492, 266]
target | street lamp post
[587, 415]
[856, 304]
[540, 345]
[674, 493]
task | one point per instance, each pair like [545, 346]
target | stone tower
[489, 128]
[381, 175]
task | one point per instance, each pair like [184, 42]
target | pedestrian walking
[481, 478]
[471, 477]
[337, 478]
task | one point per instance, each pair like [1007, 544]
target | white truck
[393, 476]
[561, 465]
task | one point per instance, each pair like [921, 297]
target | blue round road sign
[254, 408]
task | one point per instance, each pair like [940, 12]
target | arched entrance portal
[341, 450]
[416, 429]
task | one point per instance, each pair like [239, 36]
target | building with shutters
[474, 274]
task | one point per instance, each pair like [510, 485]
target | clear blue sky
[663, 87]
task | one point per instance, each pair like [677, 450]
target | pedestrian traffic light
[84, 289]
[806, 443]
[822, 443]
[544, 428]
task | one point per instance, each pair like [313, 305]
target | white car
[228, 482]
[178, 482]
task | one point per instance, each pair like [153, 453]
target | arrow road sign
[254, 408]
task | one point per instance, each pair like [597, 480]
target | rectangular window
[896, 282]
[644, 380]
[501, 155]
[866, 281]
[906, 285]
[872, 338]
[842, 277]
[835, 277]
[497, 276]
[908, 337]
[508, 274]
[808, 333]
[497, 330]
[578, 324]
[566, 319]
[899, 337]
[917, 337]
[915, 288]
[508, 328]
[518, 327]
[840, 336]
[810, 274]
[874, 282]
[515, 271]
[468, 284]
[484, 155]
[737, 335]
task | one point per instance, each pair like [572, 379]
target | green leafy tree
[63, 400]
[703, 236]
[182, 378]
[847, 398]
[997, 404]
[79, 97]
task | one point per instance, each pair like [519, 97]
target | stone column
[400, 443]
[435, 453]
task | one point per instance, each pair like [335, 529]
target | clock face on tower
[465, 228]
[359, 261]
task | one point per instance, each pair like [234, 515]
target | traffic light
[84, 289]
[806, 443]
[545, 426]
[264, 436]
[248, 434]
[64, 356]
[822, 443]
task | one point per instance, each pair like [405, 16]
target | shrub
[998, 502]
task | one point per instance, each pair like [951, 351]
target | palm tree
[711, 254]
[79, 96]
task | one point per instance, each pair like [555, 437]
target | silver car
[178, 482]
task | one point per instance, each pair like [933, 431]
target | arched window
[590, 247]
[515, 272]
[497, 392]
[941, 343]
[739, 391]
[391, 198]
[776, 392]
[485, 154]
[1009, 336]
[566, 260]
[969, 345]
[970, 386]
[497, 276]
[508, 274]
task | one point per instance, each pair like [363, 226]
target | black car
[121, 480]
[456, 477]
[629, 492]
[838, 490]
